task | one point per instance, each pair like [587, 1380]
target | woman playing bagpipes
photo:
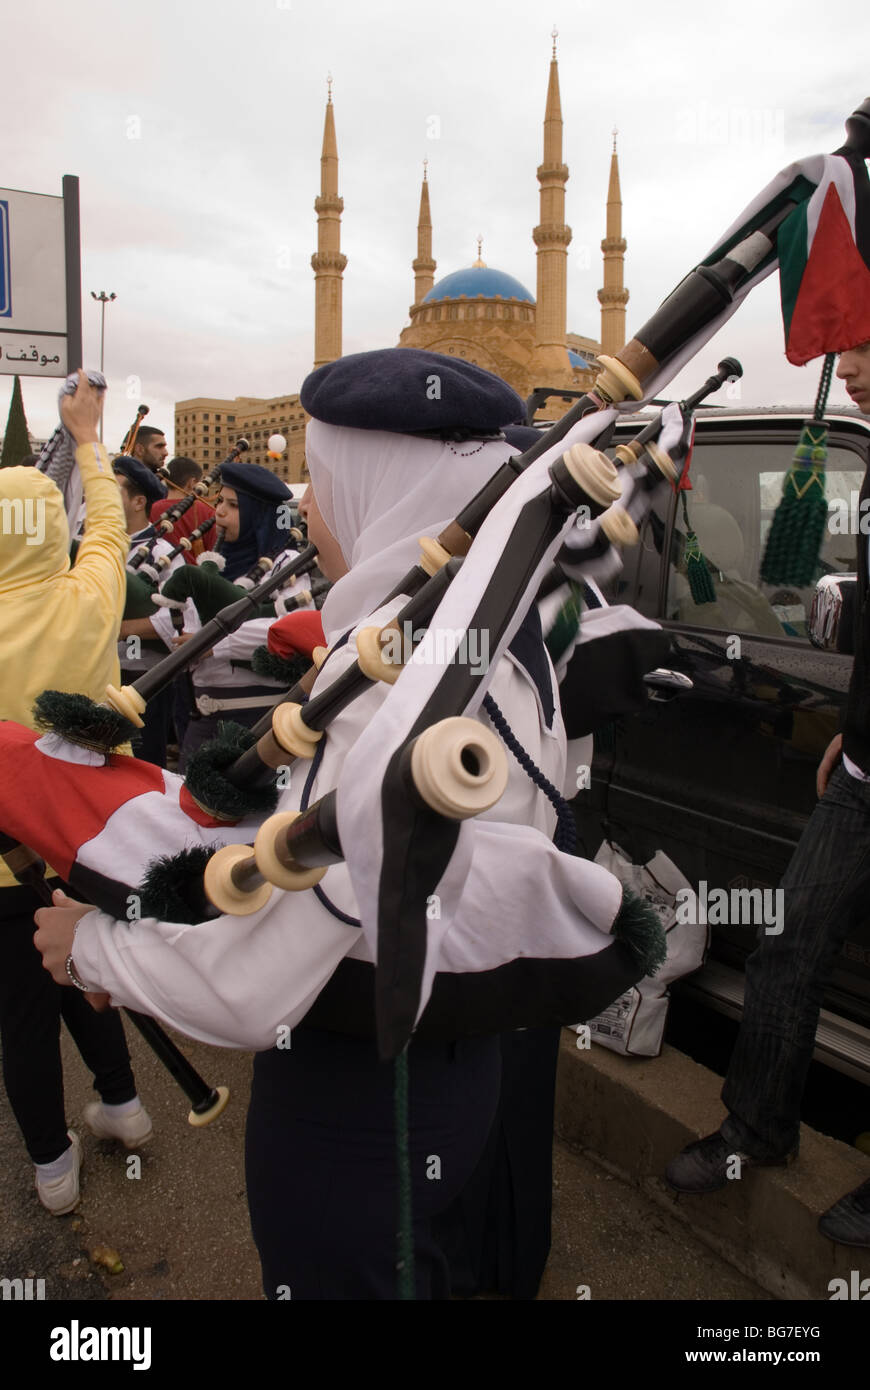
[252, 510]
[58, 628]
[320, 1156]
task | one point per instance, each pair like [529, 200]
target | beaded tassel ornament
[796, 533]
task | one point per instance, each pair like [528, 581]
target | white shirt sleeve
[232, 981]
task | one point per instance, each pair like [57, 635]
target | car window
[727, 515]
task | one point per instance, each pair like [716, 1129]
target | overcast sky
[195, 128]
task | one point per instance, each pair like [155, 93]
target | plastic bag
[634, 1024]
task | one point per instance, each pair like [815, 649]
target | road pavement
[181, 1226]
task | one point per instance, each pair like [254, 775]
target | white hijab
[378, 493]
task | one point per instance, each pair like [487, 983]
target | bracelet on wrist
[74, 979]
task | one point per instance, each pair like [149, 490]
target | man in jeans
[826, 889]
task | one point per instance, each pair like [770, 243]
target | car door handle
[664, 685]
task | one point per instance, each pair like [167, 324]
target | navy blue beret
[522, 437]
[140, 478]
[409, 391]
[256, 481]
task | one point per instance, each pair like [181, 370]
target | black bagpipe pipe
[292, 729]
[207, 1102]
[186, 543]
[130, 437]
[130, 701]
[211, 592]
[200, 490]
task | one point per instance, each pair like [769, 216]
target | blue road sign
[5, 277]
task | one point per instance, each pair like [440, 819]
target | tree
[16, 441]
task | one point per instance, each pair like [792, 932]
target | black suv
[720, 774]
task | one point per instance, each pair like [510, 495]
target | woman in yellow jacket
[58, 631]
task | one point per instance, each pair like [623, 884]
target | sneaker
[132, 1130]
[61, 1195]
[705, 1165]
[848, 1221]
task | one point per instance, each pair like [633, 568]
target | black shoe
[848, 1221]
[709, 1163]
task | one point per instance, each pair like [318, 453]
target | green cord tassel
[796, 534]
[698, 572]
[798, 528]
[405, 1262]
[564, 629]
[697, 567]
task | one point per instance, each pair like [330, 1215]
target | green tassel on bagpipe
[566, 626]
[287, 669]
[797, 531]
[639, 927]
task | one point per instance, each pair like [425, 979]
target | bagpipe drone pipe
[143, 553]
[173, 514]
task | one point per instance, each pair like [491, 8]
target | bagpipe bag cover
[508, 894]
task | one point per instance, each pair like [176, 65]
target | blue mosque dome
[475, 280]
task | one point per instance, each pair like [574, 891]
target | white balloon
[276, 443]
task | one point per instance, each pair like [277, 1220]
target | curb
[635, 1114]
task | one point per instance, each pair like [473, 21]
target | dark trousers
[321, 1160]
[496, 1234]
[826, 890]
[31, 1008]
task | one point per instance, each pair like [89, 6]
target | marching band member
[253, 512]
[150, 447]
[184, 474]
[140, 490]
[320, 1161]
[58, 627]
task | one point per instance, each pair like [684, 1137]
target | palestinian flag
[824, 263]
[822, 249]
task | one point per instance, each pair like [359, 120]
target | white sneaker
[132, 1130]
[61, 1195]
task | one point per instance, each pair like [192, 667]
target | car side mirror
[831, 626]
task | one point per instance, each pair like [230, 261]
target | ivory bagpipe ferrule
[185, 543]
[456, 768]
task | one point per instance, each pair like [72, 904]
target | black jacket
[856, 722]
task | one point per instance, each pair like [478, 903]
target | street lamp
[102, 299]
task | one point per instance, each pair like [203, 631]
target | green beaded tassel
[697, 568]
[798, 528]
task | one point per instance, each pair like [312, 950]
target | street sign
[40, 282]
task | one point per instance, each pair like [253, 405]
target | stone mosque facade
[477, 313]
